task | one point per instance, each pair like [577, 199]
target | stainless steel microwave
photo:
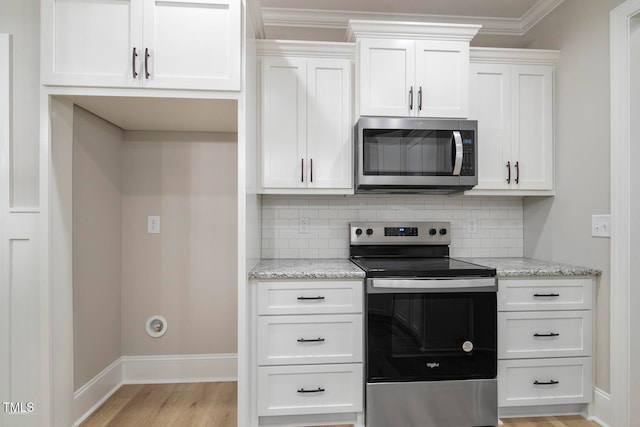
[415, 155]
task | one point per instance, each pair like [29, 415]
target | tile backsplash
[285, 234]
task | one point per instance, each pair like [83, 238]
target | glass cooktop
[420, 267]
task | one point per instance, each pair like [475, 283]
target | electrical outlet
[472, 225]
[153, 224]
[601, 225]
[303, 225]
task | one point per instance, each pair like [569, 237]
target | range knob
[369, 232]
[432, 231]
[358, 231]
[443, 231]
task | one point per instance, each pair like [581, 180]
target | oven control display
[400, 231]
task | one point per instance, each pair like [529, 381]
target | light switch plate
[601, 225]
[153, 224]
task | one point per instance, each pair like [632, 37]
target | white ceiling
[327, 19]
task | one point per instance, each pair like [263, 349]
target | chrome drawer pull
[310, 298]
[551, 382]
[318, 390]
[545, 295]
[552, 334]
[312, 340]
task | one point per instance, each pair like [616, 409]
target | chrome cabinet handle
[311, 340]
[311, 174]
[310, 298]
[546, 295]
[420, 99]
[133, 63]
[146, 62]
[301, 170]
[551, 334]
[509, 172]
[550, 382]
[411, 98]
[318, 390]
[517, 172]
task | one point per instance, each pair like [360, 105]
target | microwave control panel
[468, 154]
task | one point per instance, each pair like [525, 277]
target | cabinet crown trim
[410, 30]
[513, 56]
[307, 49]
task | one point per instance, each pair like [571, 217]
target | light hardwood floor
[214, 405]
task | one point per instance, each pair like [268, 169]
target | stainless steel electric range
[431, 328]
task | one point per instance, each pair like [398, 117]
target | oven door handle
[476, 284]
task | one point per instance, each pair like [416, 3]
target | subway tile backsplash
[498, 231]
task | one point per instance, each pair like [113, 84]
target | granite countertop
[287, 268]
[293, 268]
[528, 267]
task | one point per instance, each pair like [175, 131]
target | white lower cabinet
[314, 389]
[545, 342]
[544, 381]
[308, 355]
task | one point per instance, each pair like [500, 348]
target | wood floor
[214, 405]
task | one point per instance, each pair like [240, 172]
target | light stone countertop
[528, 267]
[293, 268]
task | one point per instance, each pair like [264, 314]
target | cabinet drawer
[313, 297]
[544, 381]
[324, 338]
[544, 334]
[315, 389]
[544, 294]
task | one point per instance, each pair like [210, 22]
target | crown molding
[313, 49]
[513, 56]
[339, 19]
[254, 14]
[410, 30]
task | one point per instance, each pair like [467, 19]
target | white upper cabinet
[306, 127]
[186, 44]
[511, 97]
[416, 69]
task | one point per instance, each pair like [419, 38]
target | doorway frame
[620, 24]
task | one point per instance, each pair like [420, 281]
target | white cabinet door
[532, 126]
[442, 79]
[329, 147]
[284, 100]
[306, 123]
[192, 44]
[514, 108]
[386, 77]
[90, 43]
[490, 90]
[186, 44]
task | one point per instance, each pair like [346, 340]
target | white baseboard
[93, 394]
[182, 368]
[601, 413]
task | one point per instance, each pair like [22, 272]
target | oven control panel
[390, 233]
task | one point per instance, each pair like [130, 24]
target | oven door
[423, 330]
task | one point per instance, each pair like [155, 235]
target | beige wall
[559, 228]
[97, 150]
[122, 274]
[188, 272]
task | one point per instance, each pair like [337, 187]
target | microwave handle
[457, 140]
